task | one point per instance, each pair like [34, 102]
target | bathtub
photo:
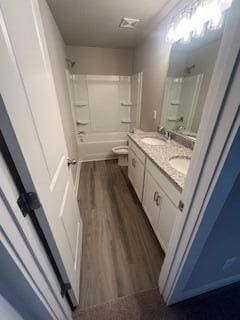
[98, 146]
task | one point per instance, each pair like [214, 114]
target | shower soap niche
[80, 104]
[127, 104]
[126, 121]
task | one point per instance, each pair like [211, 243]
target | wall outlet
[154, 114]
[228, 263]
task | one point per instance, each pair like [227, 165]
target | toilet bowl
[122, 153]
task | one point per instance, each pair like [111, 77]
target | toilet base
[123, 161]
[122, 154]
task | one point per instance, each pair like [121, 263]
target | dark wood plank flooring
[121, 254]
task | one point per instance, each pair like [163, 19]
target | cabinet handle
[158, 201]
[155, 196]
[134, 163]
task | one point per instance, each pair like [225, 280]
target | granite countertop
[160, 155]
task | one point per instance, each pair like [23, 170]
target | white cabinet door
[160, 210]
[166, 220]
[28, 92]
[151, 203]
[136, 173]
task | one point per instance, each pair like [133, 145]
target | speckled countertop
[160, 155]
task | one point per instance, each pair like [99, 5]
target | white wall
[56, 48]
[151, 57]
[101, 61]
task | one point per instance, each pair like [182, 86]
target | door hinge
[27, 202]
[180, 205]
[64, 288]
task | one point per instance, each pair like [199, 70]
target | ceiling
[95, 23]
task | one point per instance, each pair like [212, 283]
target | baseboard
[77, 178]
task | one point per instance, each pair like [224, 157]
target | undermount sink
[181, 164]
[153, 141]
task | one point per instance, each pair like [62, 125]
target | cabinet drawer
[139, 153]
[173, 193]
[136, 173]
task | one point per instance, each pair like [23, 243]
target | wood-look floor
[120, 252]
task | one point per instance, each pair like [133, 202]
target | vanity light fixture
[196, 18]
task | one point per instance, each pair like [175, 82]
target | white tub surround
[105, 108]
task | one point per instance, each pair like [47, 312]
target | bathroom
[122, 157]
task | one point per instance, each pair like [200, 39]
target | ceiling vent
[128, 23]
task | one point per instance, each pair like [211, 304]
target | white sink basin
[181, 164]
[153, 141]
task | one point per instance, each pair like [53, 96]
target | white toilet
[122, 153]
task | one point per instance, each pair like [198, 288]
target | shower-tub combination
[105, 109]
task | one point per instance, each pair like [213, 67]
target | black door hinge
[27, 202]
[64, 288]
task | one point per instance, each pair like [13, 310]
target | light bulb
[209, 12]
[171, 34]
[216, 20]
[224, 4]
[184, 31]
[198, 21]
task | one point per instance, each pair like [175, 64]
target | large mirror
[189, 74]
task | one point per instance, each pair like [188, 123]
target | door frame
[217, 130]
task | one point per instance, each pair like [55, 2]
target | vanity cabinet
[136, 173]
[158, 195]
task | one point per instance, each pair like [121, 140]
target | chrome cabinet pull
[158, 201]
[155, 196]
[134, 163]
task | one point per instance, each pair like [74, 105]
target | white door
[28, 92]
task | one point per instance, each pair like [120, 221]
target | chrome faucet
[166, 133]
[161, 130]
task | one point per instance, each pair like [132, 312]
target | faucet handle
[160, 129]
